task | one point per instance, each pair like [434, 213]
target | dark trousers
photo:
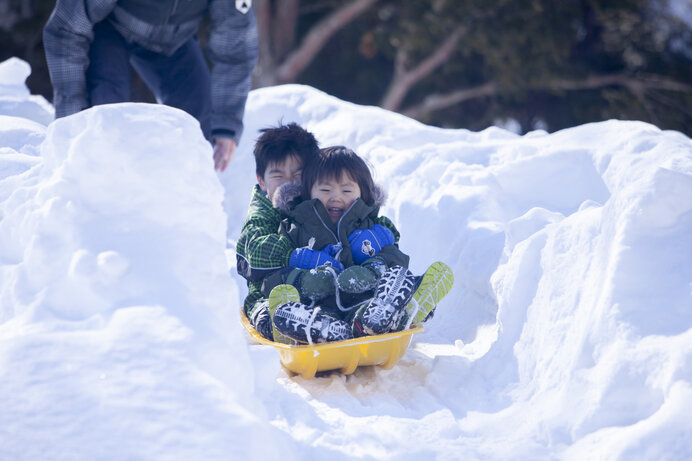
[181, 80]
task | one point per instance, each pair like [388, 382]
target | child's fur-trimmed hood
[286, 194]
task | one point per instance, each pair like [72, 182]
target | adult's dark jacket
[161, 26]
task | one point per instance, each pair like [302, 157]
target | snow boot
[394, 291]
[281, 294]
[261, 320]
[433, 286]
[307, 324]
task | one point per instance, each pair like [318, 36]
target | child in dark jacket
[349, 272]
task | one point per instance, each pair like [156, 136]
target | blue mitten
[306, 258]
[367, 243]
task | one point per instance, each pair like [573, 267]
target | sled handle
[352, 362]
[394, 354]
[310, 369]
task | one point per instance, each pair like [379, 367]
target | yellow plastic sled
[305, 360]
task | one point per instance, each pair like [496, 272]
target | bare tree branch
[636, 85]
[265, 62]
[404, 79]
[435, 102]
[318, 36]
[284, 22]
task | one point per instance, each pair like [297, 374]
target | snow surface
[15, 99]
[567, 335]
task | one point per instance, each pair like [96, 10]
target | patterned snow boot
[436, 282]
[261, 320]
[394, 291]
[281, 294]
[308, 324]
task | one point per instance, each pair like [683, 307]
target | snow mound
[15, 99]
[115, 295]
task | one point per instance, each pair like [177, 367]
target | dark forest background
[547, 64]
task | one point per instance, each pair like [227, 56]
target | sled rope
[331, 270]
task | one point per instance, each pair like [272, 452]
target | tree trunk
[285, 21]
[265, 61]
[278, 61]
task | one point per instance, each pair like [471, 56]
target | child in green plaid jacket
[280, 155]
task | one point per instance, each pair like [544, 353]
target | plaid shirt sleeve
[266, 250]
[67, 37]
[232, 49]
[261, 250]
[391, 254]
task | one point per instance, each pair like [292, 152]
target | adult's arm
[232, 49]
[67, 37]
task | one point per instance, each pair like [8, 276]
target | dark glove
[357, 279]
[363, 278]
[367, 243]
[316, 283]
[305, 258]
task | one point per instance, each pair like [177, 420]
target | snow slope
[568, 333]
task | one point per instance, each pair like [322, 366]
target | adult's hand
[224, 148]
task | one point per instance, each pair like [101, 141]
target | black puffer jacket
[309, 219]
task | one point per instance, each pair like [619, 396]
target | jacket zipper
[338, 224]
[325, 225]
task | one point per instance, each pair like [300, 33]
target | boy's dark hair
[334, 161]
[278, 143]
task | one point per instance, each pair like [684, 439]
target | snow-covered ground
[568, 333]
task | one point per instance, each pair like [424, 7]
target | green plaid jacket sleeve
[391, 254]
[386, 222]
[260, 249]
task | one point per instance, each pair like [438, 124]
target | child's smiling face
[277, 174]
[337, 195]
